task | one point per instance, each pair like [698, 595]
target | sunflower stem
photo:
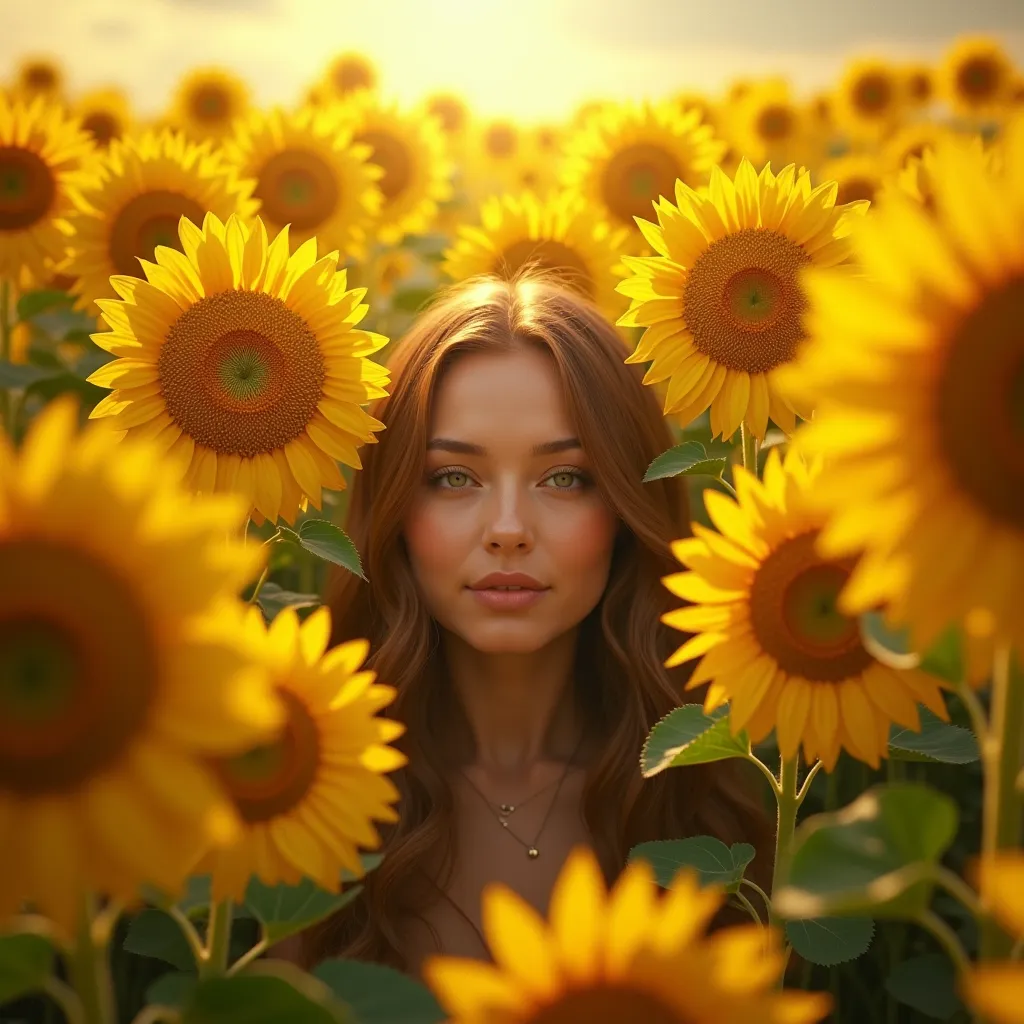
[259, 583]
[248, 956]
[806, 787]
[764, 896]
[218, 938]
[749, 907]
[946, 938]
[764, 770]
[1001, 756]
[188, 929]
[958, 889]
[750, 448]
[6, 398]
[66, 998]
[89, 966]
[786, 795]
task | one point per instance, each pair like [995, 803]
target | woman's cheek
[431, 534]
[585, 541]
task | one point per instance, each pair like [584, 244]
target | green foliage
[327, 541]
[925, 983]
[937, 741]
[830, 940]
[26, 962]
[31, 304]
[874, 857]
[687, 459]
[375, 994]
[687, 735]
[20, 376]
[715, 863]
[284, 910]
[156, 934]
[273, 600]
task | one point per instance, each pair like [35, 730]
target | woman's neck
[520, 708]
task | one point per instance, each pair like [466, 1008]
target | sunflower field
[826, 292]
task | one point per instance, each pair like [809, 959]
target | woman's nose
[508, 521]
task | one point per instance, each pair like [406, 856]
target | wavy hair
[621, 685]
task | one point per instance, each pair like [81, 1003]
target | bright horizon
[531, 59]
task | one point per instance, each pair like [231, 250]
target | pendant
[504, 823]
[507, 808]
[533, 853]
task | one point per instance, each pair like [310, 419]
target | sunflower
[310, 175]
[105, 115]
[620, 956]
[349, 73]
[247, 359]
[308, 798]
[143, 187]
[39, 76]
[121, 667]
[775, 646]
[208, 102]
[722, 302]
[908, 366]
[976, 77]
[43, 154]
[870, 98]
[628, 155]
[907, 142]
[918, 84]
[857, 176]
[450, 110]
[559, 235]
[417, 171]
[995, 991]
[767, 124]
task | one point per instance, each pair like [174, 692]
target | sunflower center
[40, 76]
[872, 94]
[547, 254]
[27, 188]
[775, 122]
[608, 1004]
[920, 86]
[980, 393]
[742, 303]
[297, 187]
[795, 617]
[78, 667]
[635, 177]
[351, 75]
[272, 779]
[500, 140]
[146, 221]
[449, 112]
[392, 155]
[241, 373]
[103, 127]
[978, 78]
[852, 190]
[210, 103]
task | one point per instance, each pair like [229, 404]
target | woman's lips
[507, 600]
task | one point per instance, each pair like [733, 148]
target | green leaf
[33, 303]
[22, 375]
[331, 543]
[412, 300]
[874, 857]
[938, 741]
[273, 600]
[287, 909]
[156, 934]
[716, 863]
[945, 657]
[687, 459]
[927, 984]
[268, 992]
[887, 643]
[831, 940]
[26, 961]
[687, 735]
[377, 994]
[174, 988]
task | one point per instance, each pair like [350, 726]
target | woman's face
[507, 489]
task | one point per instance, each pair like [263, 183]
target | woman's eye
[454, 480]
[564, 480]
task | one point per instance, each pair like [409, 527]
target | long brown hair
[621, 686]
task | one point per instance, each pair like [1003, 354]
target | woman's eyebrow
[448, 444]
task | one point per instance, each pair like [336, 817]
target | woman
[516, 444]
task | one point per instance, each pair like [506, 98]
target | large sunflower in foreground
[559, 235]
[42, 155]
[628, 955]
[308, 798]
[310, 175]
[870, 98]
[121, 667]
[628, 155]
[143, 186]
[775, 646]
[417, 171]
[208, 102]
[909, 366]
[105, 115]
[722, 302]
[976, 77]
[247, 361]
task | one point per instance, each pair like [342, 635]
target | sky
[529, 59]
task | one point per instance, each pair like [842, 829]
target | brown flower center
[547, 254]
[978, 78]
[855, 188]
[608, 1004]
[40, 77]
[78, 667]
[241, 373]
[27, 188]
[391, 154]
[501, 140]
[919, 86]
[795, 617]
[775, 122]
[146, 221]
[210, 103]
[980, 394]
[742, 303]
[352, 74]
[873, 94]
[634, 178]
[274, 778]
[450, 112]
[102, 126]
[297, 187]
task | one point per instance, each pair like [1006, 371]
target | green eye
[456, 480]
[564, 480]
